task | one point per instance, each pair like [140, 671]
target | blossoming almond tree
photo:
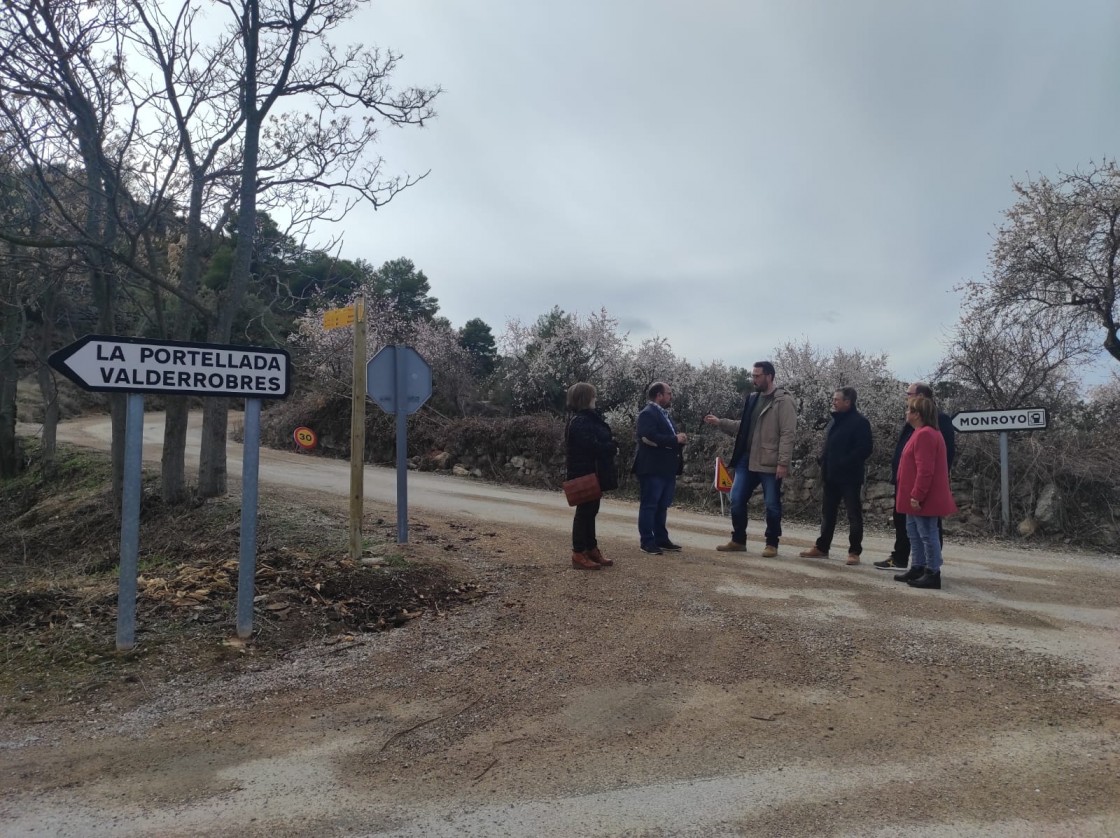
[1058, 252]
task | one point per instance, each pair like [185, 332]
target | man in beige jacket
[763, 447]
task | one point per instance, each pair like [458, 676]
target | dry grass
[58, 598]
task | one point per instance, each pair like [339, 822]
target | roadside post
[399, 380]
[130, 521]
[1017, 419]
[337, 318]
[134, 366]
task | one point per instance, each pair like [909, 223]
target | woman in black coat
[590, 450]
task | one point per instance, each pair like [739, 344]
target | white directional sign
[1019, 419]
[137, 365]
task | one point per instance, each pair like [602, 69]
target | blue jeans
[925, 545]
[742, 487]
[653, 507]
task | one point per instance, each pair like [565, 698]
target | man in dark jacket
[847, 447]
[655, 464]
[900, 555]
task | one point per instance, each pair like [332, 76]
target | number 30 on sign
[305, 438]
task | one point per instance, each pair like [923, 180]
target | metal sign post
[111, 364]
[247, 558]
[1004, 482]
[130, 522]
[1018, 419]
[400, 381]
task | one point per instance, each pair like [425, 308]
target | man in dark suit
[847, 446]
[900, 555]
[656, 462]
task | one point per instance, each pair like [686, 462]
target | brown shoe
[852, 559]
[813, 553]
[769, 551]
[581, 562]
[597, 557]
[732, 547]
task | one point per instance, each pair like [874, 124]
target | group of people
[763, 449]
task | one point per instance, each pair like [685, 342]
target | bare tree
[56, 104]
[281, 56]
[188, 90]
[121, 97]
[68, 117]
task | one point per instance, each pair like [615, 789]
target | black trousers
[849, 494]
[583, 526]
[900, 555]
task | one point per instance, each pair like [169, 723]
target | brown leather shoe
[732, 547]
[581, 562]
[813, 553]
[597, 557]
[769, 551]
[852, 559]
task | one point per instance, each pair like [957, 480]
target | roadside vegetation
[162, 179]
[58, 597]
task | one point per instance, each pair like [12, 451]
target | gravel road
[696, 694]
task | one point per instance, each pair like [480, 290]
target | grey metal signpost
[1017, 419]
[106, 363]
[399, 380]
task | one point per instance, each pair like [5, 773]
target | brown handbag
[582, 489]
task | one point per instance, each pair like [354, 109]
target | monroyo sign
[1020, 419]
[137, 365]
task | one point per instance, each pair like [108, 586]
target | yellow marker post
[357, 423]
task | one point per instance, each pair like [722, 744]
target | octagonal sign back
[381, 379]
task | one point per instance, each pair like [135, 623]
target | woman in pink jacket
[923, 493]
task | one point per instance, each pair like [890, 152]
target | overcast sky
[732, 175]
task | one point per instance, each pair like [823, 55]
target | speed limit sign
[305, 438]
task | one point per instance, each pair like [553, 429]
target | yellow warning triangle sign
[723, 476]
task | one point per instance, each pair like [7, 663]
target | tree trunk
[118, 413]
[173, 475]
[9, 445]
[9, 378]
[1112, 341]
[48, 389]
[212, 455]
[173, 472]
[11, 321]
[100, 225]
[215, 416]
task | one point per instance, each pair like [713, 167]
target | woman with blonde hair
[923, 493]
[591, 449]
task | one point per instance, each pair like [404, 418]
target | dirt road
[691, 694]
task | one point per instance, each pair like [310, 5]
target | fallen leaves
[290, 586]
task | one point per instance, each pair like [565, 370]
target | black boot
[927, 580]
[913, 573]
